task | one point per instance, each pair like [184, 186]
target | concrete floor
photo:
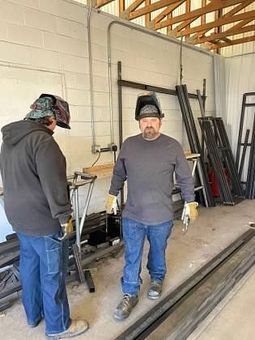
[215, 229]
[233, 318]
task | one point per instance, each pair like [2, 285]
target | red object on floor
[214, 183]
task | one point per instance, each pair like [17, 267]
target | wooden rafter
[148, 15]
[184, 24]
[213, 34]
[222, 35]
[101, 3]
[131, 8]
[219, 22]
[150, 8]
[217, 29]
[237, 41]
[239, 25]
[211, 7]
[122, 6]
[233, 11]
[165, 13]
[188, 9]
[203, 17]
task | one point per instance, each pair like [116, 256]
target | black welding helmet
[50, 105]
[147, 105]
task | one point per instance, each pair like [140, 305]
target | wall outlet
[95, 148]
[113, 147]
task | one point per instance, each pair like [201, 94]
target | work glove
[67, 229]
[189, 214]
[111, 204]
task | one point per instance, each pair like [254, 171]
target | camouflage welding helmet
[42, 107]
[48, 105]
[147, 105]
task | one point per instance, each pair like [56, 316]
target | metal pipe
[91, 84]
[87, 200]
[120, 105]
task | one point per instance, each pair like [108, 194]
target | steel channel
[195, 146]
[151, 319]
[191, 120]
[205, 125]
[245, 145]
[240, 133]
[192, 144]
[228, 156]
[251, 166]
[147, 87]
[197, 142]
[214, 155]
[185, 316]
[226, 188]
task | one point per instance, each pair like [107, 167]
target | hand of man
[189, 213]
[111, 204]
[67, 229]
[191, 210]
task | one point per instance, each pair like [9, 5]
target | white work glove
[67, 229]
[189, 214]
[111, 204]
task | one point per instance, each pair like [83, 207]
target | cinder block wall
[44, 48]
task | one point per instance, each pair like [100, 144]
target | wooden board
[102, 170]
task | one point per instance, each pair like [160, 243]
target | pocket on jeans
[54, 253]
[54, 238]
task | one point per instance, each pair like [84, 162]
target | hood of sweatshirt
[14, 132]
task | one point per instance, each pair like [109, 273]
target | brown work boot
[125, 307]
[155, 290]
[77, 327]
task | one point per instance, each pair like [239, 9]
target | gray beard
[150, 134]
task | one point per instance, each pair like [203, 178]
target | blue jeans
[43, 265]
[134, 235]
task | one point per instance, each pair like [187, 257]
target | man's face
[150, 127]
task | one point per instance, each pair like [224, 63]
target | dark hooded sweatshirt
[33, 171]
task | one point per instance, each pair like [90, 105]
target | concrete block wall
[44, 48]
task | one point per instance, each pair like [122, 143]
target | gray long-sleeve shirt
[148, 167]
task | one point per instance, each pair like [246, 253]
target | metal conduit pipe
[91, 84]
[145, 31]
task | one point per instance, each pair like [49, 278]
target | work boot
[155, 290]
[125, 307]
[77, 327]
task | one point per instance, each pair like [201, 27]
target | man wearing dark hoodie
[37, 206]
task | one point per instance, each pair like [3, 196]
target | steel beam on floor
[179, 313]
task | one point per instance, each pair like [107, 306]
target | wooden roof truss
[215, 24]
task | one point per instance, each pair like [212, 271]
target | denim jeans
[43, 265]
[134, 234]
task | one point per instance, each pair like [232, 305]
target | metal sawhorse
[80, 179]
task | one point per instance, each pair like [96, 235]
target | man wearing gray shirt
[147, 162]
